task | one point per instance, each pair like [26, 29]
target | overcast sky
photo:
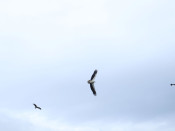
[50, 48]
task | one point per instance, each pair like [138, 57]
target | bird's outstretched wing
[93, 75]
[39, 108]
[35, 105]
[93, 89]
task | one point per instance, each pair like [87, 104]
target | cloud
[76, 13]
[36, 120]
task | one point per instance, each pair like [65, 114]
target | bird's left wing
[93, 89]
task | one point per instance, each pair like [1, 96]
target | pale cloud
[29, 8]
[76, 12]
[38, 120]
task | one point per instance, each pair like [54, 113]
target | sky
[50, 48]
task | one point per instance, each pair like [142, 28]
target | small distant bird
[91, 82]
[172, 84]
[36, 106]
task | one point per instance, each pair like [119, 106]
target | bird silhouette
[37, 106]
[172, 84]
[91, 82]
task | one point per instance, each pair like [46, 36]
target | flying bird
[172, 84]
[91, 82]
[36, 106]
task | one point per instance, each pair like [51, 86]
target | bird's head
[89, 81]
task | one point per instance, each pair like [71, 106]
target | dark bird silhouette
[91, 82]
[36, 106]
[172, 84]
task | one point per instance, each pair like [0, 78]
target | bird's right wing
[93, 89]
[93, 75]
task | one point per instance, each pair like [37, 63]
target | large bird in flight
[172, 84]
[36, 106]
[91, 82]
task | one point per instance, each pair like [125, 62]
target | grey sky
[49, 49]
